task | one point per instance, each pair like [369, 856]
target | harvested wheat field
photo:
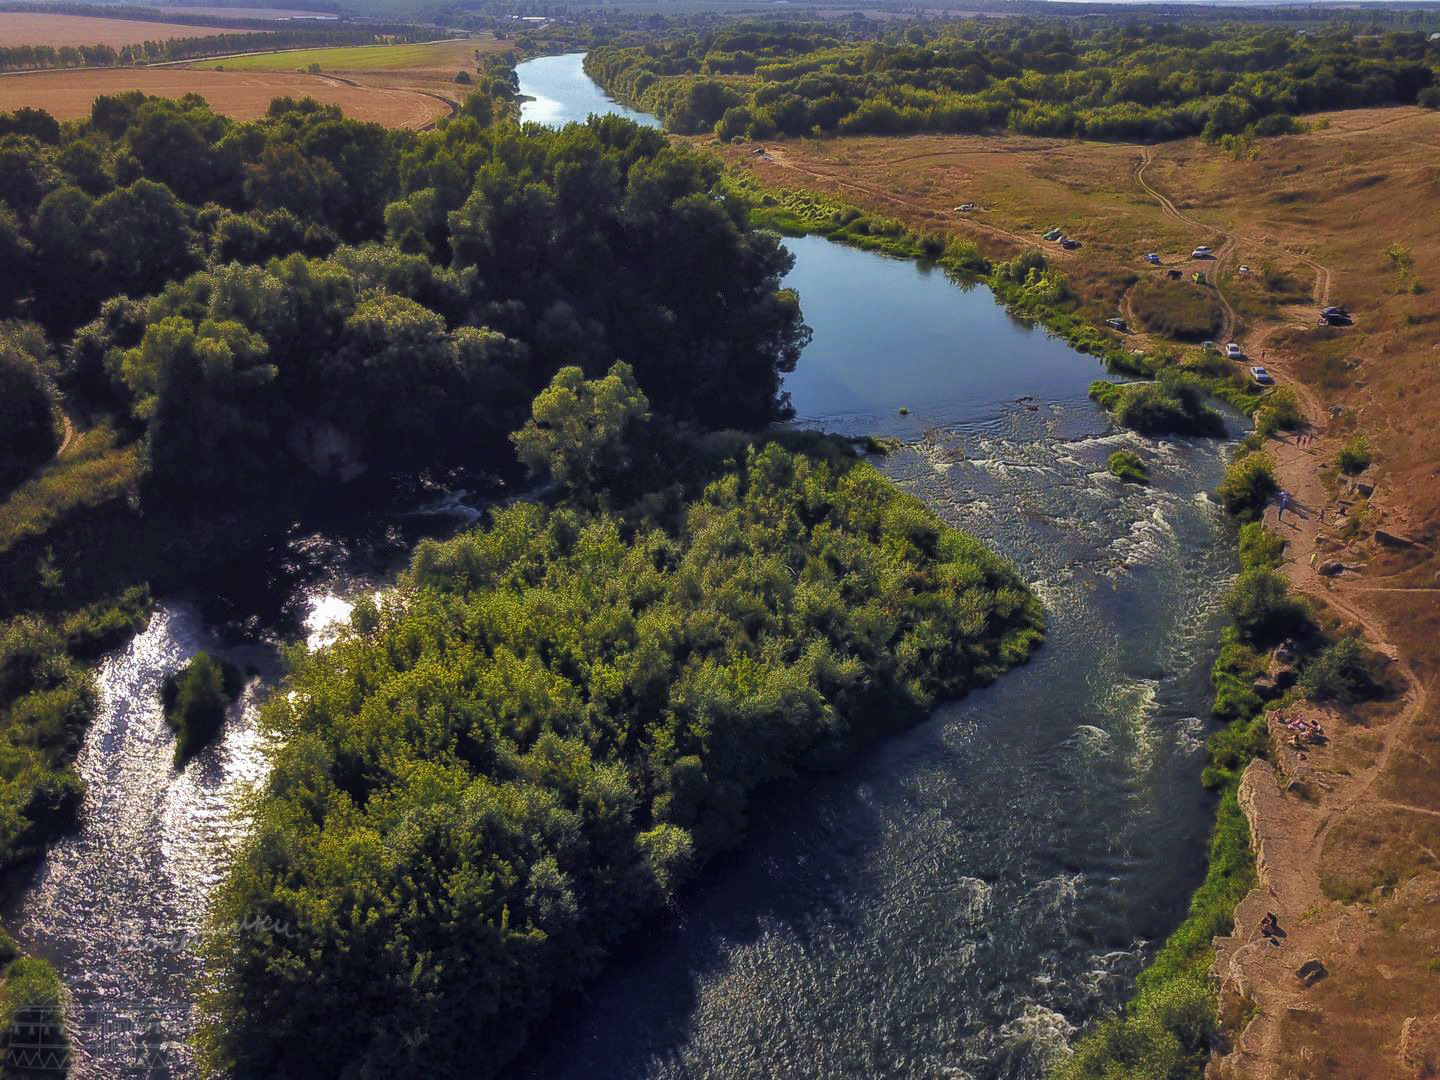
[25, 28]
[242, 95]
[429, 67]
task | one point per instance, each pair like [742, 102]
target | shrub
[463, 78]
[1128, 467]
[1429, 98]
[1340, 673]
[35, 997]
[1233, 675]
[195, 700]
[1263, 609]
[1354, 456]
[1279, 410]
[1276, 124]
[27, 414]
[1260, 549]
[1248, 486]
[1168, 406]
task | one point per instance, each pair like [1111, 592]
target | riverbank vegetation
[1127, 79]
[1172, 404]
[47, 697]
[558, 720]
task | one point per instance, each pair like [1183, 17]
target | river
[952, 905]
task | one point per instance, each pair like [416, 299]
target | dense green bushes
[1128, 467]
[1248, 486]
[46, 701]
[1169, 405]
[195, 700]
[1341, 672]
[1279, 411]
[545, 734]
[1107, 79]
[1354, 456]
[32, 1005]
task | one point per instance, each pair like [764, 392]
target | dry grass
[68, 95]
[427, 69]
[21, 28]
[94, 470]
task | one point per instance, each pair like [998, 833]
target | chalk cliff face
[326, 450]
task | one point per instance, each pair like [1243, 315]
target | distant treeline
[45, 57]
[1106, 80]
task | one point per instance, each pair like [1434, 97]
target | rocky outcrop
[1391, 539]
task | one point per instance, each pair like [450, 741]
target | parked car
[1116, 324]
[1202, 252]
[965, 208]
[1173, 274]
[1333, 309]
[1244, 270]
[1261, 376]
[1153, 259]
[1068, 243]
[1052, 233]
[1233, 351]
[1208, 346]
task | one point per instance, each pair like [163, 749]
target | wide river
[954, 904]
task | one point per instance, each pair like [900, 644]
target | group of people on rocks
[1302, 731]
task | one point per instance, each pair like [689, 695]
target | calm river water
[952, 905]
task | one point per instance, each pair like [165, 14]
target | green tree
[577, 432]
[27, 412]
[200, 390]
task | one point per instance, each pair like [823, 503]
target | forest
[1107, 79]
[207, 326]
[240, 319]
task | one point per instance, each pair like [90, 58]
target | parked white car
[1201, 252]
[1261, 376]
[1233, 351]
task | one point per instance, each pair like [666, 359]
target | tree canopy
[1107, 79]
[562, 715]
